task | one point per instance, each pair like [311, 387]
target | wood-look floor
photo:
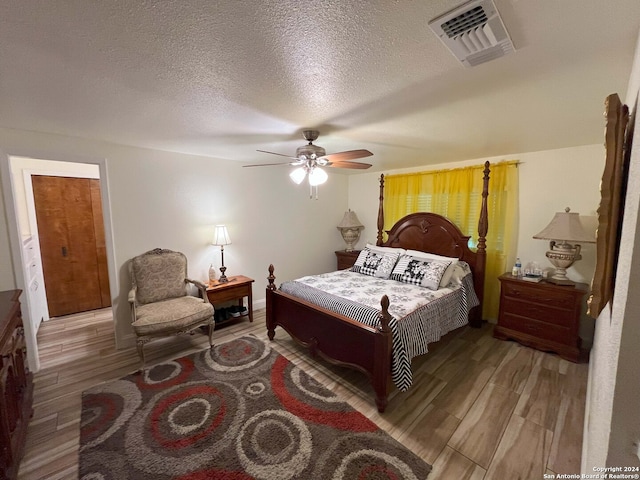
[480, 408]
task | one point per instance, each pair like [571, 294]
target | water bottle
[517, 268]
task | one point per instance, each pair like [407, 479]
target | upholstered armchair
[160, 303]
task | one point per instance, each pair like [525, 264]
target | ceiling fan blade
[358, 165]
[348, 155]
[279, 154]
[267, 164]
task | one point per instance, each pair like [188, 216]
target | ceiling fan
[310, 158]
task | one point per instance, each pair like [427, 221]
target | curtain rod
[470, 167]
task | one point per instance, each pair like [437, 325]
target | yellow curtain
[457, 195]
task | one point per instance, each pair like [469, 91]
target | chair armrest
[132, 302]
[201, 288]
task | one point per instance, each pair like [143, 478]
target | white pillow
[446, 278]
[376, 248]
[459, 273]
[426, 272]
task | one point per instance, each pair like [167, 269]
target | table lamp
[221, 238]
[350, 228]
[565, 227]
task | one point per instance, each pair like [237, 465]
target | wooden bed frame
[344, 341]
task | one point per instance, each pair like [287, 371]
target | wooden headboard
[433, 233]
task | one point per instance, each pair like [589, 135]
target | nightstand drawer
[534, 293]
[537, 311]
[542, 330]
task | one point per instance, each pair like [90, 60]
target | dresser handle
[533, 328]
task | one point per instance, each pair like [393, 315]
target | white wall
[169, 200]
[7, 276]
[549, 181]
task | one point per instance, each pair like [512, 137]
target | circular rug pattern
[238, 411]
[364, 455]
[180, 429]
[274, 444]
[106, 409]
[166, 374]
[237, 355]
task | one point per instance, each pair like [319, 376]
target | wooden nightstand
[541, 315]
[346, 259]
[236, 288]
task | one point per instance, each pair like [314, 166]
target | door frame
[15, 237]
[31, 209]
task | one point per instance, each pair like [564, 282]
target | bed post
[270, 320]
[380, 211]
[383, 349]
[483, 227]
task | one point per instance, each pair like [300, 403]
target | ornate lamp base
[350, 236]
[562, 256]
[223, 278]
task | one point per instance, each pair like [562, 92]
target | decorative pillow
[375, 264]
[417, 271]
[446, 278]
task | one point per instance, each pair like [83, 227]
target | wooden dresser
[16, 385]
[541, 315]
[346, 259]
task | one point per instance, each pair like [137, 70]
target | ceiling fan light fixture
[310, 158]
[310, 151]
[317, 176]
[298, 175]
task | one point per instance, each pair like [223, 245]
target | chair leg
[211, 327]
[140, 346]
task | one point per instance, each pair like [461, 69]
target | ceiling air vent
[474, 32]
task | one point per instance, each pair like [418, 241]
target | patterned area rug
[238, 411]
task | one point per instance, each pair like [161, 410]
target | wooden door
[72, 243]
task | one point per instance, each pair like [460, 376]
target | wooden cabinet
[346, 259]
[16, 385]
[541, 315]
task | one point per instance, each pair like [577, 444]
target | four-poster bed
[342, 340]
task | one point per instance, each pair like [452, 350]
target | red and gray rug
[238, 411]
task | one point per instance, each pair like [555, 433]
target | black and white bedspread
[420, 316]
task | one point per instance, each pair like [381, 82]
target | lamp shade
[221, 236]
[565, 226]
[298, 175]
[350, 220]
[317, 176]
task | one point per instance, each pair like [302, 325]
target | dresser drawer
[534, 293]
[537, 311]
[538, 329]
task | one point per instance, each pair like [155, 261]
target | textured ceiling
[225, 78]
